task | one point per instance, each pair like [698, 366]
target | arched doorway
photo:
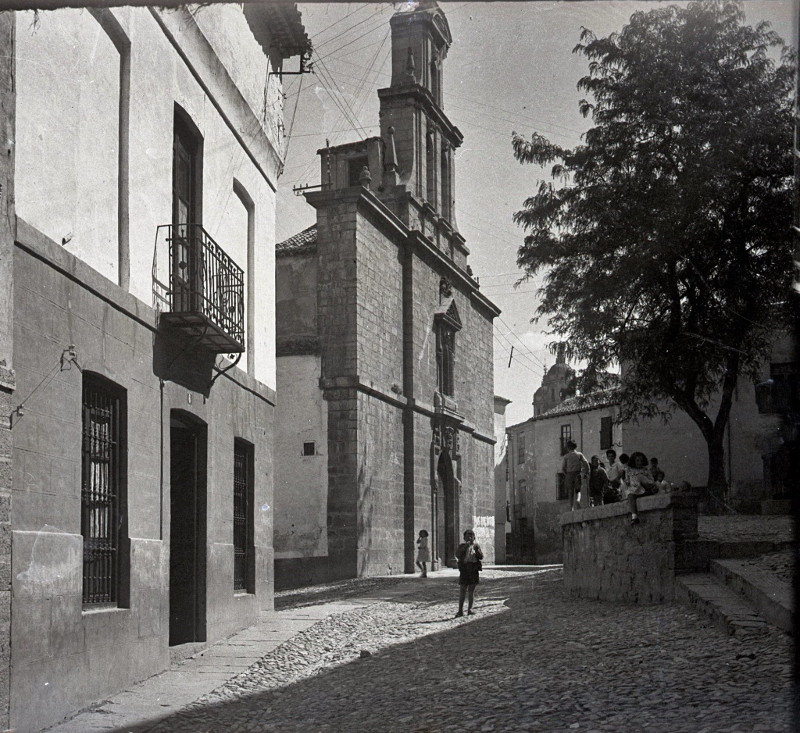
[447, 510]
[187, 535]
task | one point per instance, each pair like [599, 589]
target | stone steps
[772, 597]
[712, 597]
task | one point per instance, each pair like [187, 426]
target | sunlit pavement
[388, 655]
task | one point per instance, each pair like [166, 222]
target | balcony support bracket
[220, 372]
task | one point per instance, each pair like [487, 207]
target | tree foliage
[664, 238]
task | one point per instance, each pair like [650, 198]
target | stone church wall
[379, 486]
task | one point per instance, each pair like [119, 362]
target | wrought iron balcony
[205, 298]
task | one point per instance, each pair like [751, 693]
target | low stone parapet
[607, 558]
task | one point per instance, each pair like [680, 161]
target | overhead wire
[357, 38]
[525, 348]
[379, 11]
[327, 28]
[364, 87]
[521, 363]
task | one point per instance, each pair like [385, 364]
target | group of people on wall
[626, 478]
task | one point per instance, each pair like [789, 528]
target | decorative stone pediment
[448, 313]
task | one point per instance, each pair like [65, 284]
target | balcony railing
[206, 289]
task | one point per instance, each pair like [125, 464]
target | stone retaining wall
[606, 558]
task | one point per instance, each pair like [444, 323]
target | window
[309, 449]
[430, 166]
[445, 358]
[446, 323]
[784, 388]
[248, 306]
[566, 436]
[446, 193]
[242, 516]
[187, 176]
[561, 489]
[354, 168]
[606, 438]
[103, 497]
[521, 448]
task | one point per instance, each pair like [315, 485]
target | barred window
[102, 488]
[243, 579]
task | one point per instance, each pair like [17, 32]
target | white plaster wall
[83, 146]
[301, 482]
[682, 451]
[521, 471]
[67, 77]
[547, 447]
[229, 33]
[501, 527]
[678, 445]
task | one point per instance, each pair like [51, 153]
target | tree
[664, 238]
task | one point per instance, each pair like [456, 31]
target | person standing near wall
[576, 473]
[598, 482]
[423, 554]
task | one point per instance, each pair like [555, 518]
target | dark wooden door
[187, 534]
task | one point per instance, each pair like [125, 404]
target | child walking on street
[469, 555]
[423, 554]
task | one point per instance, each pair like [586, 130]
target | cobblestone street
[530, 659]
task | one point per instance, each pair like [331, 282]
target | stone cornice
[386, 220]
[424, 98]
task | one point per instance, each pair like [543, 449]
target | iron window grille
[101, 488]
[242, 508]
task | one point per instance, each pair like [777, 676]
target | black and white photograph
[399, 366]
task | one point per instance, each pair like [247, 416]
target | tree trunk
[717, 481]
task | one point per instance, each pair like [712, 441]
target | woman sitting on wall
[638, 482]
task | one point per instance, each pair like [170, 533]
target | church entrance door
[447, 511]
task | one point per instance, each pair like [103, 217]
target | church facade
[385, 402]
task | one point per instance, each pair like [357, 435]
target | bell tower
[420, 140]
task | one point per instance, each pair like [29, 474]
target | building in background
[757, 451]
[502, 521]
[143, 148]
[385, 411]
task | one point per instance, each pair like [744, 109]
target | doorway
[447, 511]
[187, 540]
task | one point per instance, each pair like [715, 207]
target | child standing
[423, 554]
[469, 555]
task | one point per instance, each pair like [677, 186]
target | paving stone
[532, 658]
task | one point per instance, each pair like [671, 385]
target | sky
[510, 69]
